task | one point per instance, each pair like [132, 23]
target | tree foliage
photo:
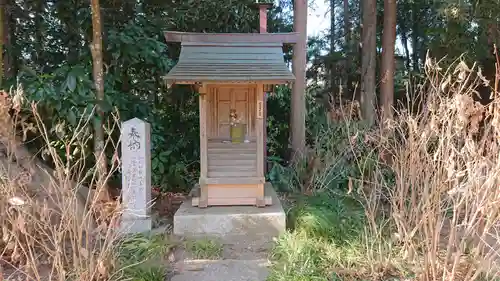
[443, 29]
[47, 52]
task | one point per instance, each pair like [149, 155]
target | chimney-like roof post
[263, 7]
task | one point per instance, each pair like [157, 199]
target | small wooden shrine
[232, 72]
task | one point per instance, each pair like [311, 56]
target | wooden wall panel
[211, 112]
[251, 111]
[240, 103]
[232, 191]
[224, 94]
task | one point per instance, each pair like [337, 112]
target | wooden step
[232, 156]
[232, 145]
[245, 162]
[239, 148]
[242, 169]
[234, 150]
[232, 174]
[229, 180]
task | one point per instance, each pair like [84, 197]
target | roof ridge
[233, 44]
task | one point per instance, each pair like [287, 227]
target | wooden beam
[203, 194]
[195, 201]
[203, 152]
[259, 128]
[203, 136]
[202, 89]
[263, 7]
[264, 125]
[284, 38]
[269, 88]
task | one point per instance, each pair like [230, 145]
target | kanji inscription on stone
[136, 176]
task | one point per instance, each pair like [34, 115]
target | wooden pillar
[263, 20]
[264, 125]
[259, 126]
[203, 203]
[263, 8]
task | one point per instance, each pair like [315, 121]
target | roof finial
[263, 7]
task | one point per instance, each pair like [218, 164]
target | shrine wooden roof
[235, 62]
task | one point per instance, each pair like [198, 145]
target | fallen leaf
[84, 253]
[101, 268]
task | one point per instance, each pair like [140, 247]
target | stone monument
[136, 177]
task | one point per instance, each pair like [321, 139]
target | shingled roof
[230, 62]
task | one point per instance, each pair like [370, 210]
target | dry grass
[445, 198]
[428, 184]
[49, 230]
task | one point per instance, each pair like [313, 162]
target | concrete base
[136, 225]
[248, 221]
[223, 270]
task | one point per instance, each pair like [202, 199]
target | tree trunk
[11, 56]
[298, 108]
[368, 61]
[98, 73]
[347, 48]
[332, 46]
[3, 20]
[415, 38]
[388, 63]
[39, 34]
[404, 41]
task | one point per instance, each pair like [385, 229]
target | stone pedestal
[133, 225]
[249, 221]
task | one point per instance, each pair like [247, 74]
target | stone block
[248, 221]
[135, 225]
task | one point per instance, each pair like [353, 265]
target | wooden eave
[237, 62]
[225, 82]
[283, 38]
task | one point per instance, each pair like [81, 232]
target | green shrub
[329, 215]
[205, 248]
[144, 257]
[338, 152]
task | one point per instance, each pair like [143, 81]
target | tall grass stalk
[50, 229]
[429, 185]
[446, 194]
